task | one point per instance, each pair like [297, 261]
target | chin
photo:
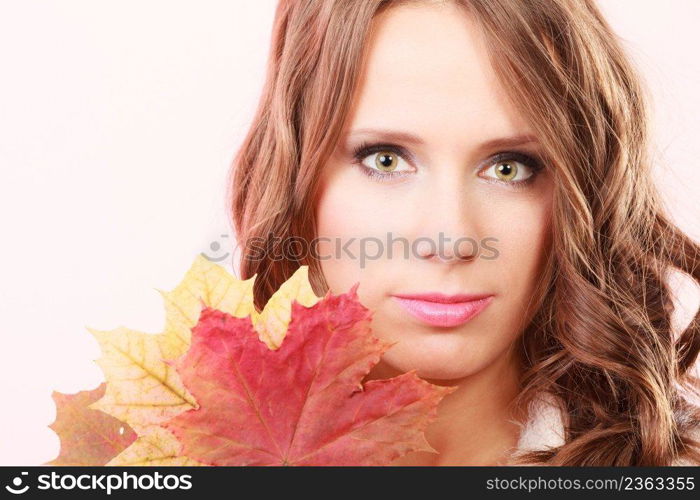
[433, 364]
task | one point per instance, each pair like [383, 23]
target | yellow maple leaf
[156, 447]
[272, 323]
[144, 390]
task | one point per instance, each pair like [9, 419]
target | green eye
[386, 161]
[507, 170]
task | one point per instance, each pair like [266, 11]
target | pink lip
[437, 309]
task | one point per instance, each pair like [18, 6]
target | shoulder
[693, 398]
[542, 429]
[544, 426]
[695, 434]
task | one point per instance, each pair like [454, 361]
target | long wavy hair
[601, 340]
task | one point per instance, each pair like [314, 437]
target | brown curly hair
[601, 339]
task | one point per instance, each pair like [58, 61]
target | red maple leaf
[304, 403]
[88, 437]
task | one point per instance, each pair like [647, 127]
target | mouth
[437, 309]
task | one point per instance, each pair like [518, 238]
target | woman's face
[434, 151]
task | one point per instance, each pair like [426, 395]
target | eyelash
[365, 149]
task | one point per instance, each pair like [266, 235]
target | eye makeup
[365, 149]
[533, 163]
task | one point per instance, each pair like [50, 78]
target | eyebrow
[406, 137]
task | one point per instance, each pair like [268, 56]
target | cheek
[521, 228]
[354, 218]
[341, 223]
[338, 211]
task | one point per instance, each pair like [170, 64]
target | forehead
[427, 72]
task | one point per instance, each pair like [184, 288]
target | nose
[449, 226]
[448, 249]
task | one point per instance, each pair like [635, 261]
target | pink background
[117, 124]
